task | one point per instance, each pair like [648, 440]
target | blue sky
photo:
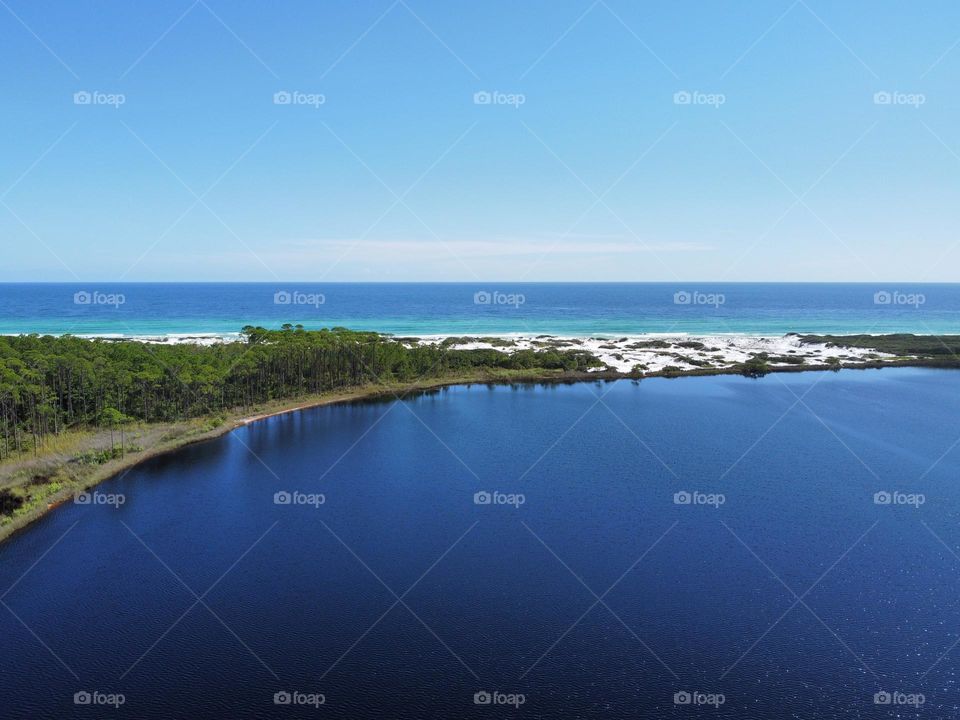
[586, 164]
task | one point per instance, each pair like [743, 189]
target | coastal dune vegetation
[75, 411]
[50, 384]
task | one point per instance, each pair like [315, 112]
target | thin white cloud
[507, 247]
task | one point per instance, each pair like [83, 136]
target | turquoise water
[501, 597]
[481, 308]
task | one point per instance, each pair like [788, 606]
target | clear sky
[617, 140]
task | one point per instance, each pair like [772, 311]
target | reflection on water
[360, 556]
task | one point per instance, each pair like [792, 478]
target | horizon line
[476, 282]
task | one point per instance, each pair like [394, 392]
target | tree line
[49, 384]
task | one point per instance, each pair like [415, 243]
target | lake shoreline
[198, 430]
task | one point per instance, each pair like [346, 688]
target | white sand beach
[654, 353]
[649, 353]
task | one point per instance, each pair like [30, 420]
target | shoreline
[651, 354]
[647, 353]
[215, 337]
[82, 456]
[117, 467]
[238, 419]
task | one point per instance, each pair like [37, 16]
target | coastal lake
[705, 546]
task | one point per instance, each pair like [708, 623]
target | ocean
[702, 546]
[571, 309]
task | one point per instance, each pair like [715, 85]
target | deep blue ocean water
[465, 309]
[798, 596]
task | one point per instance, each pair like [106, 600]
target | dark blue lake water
[711, 536]
[579, 309]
